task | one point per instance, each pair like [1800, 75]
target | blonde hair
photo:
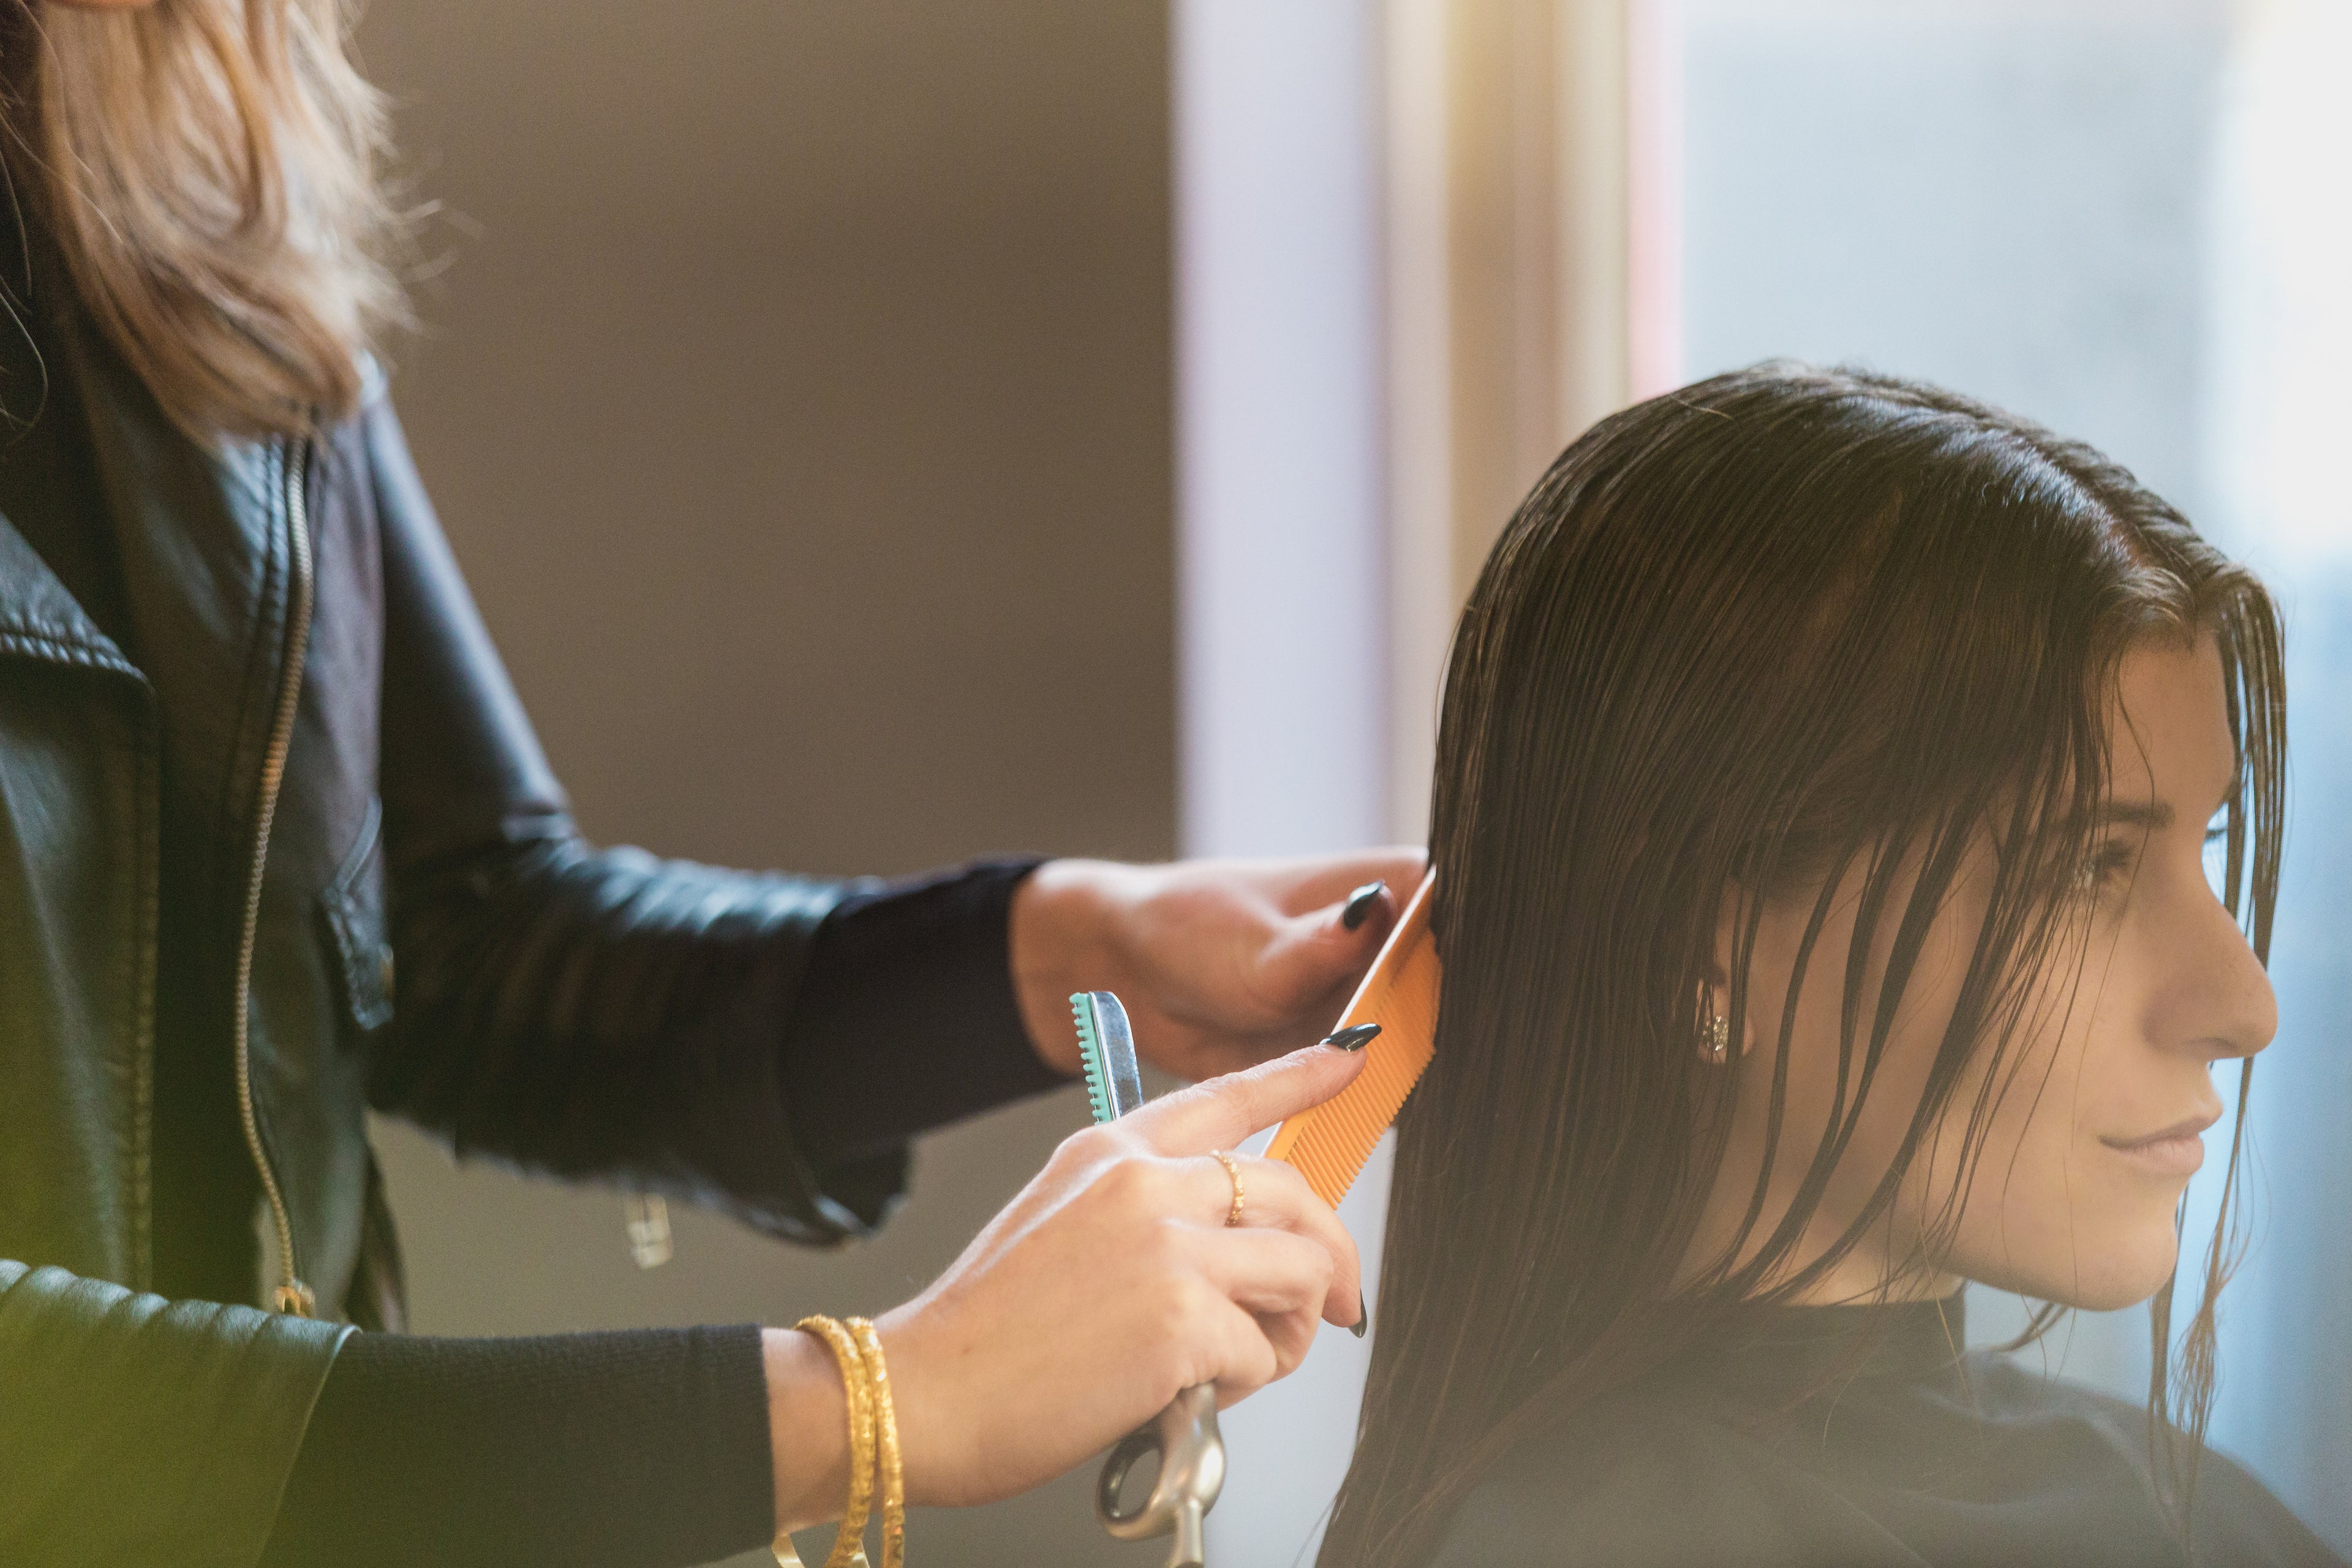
[208, 170]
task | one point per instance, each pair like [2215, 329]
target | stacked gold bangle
[886, 1434]
[873, 1447]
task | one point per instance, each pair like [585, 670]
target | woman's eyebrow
[2155, 815]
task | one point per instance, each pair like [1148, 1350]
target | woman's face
[2092, 1126]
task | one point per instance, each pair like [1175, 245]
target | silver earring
[1715, 1034]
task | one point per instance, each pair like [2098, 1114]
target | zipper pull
[295, 1299]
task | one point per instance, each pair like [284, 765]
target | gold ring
[1232, 1215]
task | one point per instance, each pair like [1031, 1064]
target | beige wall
[797, 399]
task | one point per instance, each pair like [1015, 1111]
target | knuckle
[1193, 1309]
[1306, 1268]
[1127, 1182]
[1339, 1247]
[1284, 1191]
[1261, 1365]
[1088, 1146]
[1252, 1086]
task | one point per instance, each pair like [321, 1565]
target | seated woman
[1832, 782]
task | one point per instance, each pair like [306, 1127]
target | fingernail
[1363, 1318]
[1354, 1040]
[1359, 904]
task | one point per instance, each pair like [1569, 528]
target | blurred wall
[797, 395]
[1283, 567]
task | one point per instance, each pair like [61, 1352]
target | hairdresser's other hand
[1110, 1283]
[1220, 963]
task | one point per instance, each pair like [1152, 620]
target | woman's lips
[2175, 1151]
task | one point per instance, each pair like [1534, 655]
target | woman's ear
[1721, 1035]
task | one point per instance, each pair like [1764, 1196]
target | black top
[1856, 1436]
[650, 1446]
[614, 1450]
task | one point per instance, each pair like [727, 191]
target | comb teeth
[1090, 1057]
[1330, 1143]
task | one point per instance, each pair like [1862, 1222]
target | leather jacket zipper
[291, 1294]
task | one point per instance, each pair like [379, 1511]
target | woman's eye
[2103, 865]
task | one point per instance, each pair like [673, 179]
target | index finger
[1218, 1113]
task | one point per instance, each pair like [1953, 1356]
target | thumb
[1326, 950]
[1218, 1113]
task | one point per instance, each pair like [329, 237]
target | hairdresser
[276, 844]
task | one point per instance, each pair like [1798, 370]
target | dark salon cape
[1840, 1437]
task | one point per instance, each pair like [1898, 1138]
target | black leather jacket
[408, 920]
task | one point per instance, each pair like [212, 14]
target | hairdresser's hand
[1110, 1283]
[1219, 962]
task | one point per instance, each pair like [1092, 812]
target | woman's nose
[2217, 991]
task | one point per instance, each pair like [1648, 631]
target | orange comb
[1330, 1142]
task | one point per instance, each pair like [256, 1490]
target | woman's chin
[2124, 1282]
[2114, 1296]
[2126, 1270]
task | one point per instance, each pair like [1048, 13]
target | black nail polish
[1363, 1318]
[1359, 904]
[1354, 1040]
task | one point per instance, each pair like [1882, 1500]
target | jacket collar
[39, 618]
[202, 531]
[200, 527]
[208, 518]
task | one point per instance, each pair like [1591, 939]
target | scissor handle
[1191, 1473]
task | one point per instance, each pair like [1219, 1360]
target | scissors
[1185, 1436]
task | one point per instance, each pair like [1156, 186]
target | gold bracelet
[849, 1544]
[885, 1423]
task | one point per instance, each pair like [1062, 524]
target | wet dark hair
[1778, 626]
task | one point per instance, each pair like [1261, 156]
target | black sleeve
[639, 1449]
[649, 1448]
[907, 1018]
